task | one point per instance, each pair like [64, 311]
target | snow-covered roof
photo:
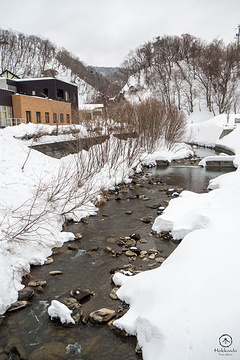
[43, 78]
[90, 107]
[34, 79]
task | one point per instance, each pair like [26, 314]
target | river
[90, 267]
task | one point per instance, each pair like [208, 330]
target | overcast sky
[102, 32]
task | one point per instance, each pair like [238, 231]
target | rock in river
[36, 283]
[78, 236]
[130, 253]
[55, 272]
[73, 247]
[101, 316]
[135, 236]
[113, 294]
[25, 293]
[17, 305]
[48, 261]
[51, 351]
[146, 219]
[82, 295]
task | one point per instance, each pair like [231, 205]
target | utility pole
[238, 44]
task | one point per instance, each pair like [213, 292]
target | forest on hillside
[181, 70]
[184, 69]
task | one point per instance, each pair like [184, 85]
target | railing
[12, 121]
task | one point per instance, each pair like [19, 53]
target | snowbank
[207, 133]
[180, 151]
[180, 310]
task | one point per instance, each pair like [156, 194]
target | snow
[207, 133]
[90, 106]
[60, 311]
[181, 309]
[65, 133]
[180, 151]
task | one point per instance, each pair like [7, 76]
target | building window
[68, 118]
[28, 116]
[38, 117]
[45, 92]
[54, 118]
[5, 115]
[60, 94]
[46, 117]
[67, 95]
[61, 118]
[33, 92]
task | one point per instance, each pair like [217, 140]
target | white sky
[102, 32]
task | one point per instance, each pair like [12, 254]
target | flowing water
[90, 267]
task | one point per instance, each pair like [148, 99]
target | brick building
[45, 100]
[39, 110]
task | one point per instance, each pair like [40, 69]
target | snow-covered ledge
[218, 160]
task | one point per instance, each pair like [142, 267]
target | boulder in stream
[102, 316]
[25, 293]
[130, 253]
[78, 236]
[48, 261]
[113, 293]
[17, 306]
[51, 351]
[36, 283]
[82, 295]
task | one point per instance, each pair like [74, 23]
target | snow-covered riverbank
[37, 194]
[188, 308]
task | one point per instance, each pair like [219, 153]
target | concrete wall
[64, 148]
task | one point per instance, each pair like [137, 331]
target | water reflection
[193, 178]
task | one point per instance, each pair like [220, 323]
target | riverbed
[130, 209]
